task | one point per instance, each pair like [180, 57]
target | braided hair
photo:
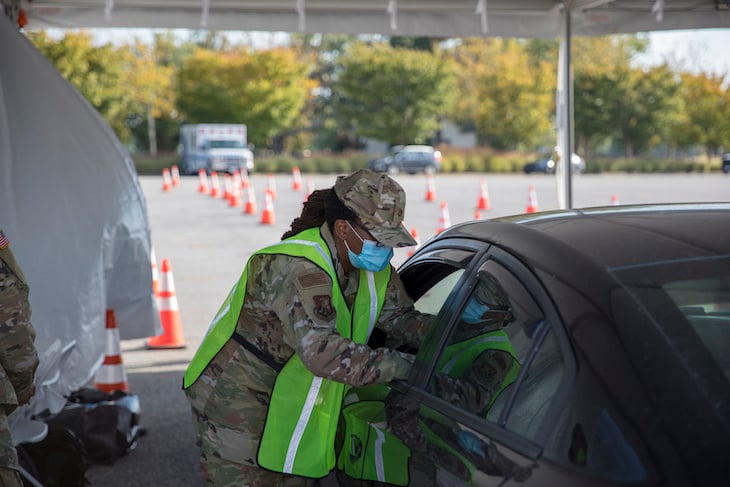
[321, 206]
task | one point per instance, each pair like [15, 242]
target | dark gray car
[579, 347]
[410, 158]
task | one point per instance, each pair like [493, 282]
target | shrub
[147, 165]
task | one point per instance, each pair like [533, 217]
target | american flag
[4, 242]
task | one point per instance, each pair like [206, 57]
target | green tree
[323, 52]
[647, 105]
[507, 95]
[150, 91]
[615, 101]
[705, 113]
[96, 71]
[396, 95]
[266, 90]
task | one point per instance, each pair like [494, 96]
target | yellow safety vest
[301, 422]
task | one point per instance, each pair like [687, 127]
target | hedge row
[456, 162]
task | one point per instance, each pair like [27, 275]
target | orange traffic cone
[166, 180]
[250, 208]
[430, 188]
[483, 202]
[215, 185]
[111, 375]
[244, 180]
[202, 182]
[235, 200]
[296, 183]
[477, 215]
[175, 172]
[172, 332]
[238, 182]
[267, 216]
[614, 200]
[444, 219]
[531, 200]
[310, 188]
[414, 234]
[227, 187]
[271, 186]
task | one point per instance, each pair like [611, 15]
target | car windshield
[226, 144]
[699, 289]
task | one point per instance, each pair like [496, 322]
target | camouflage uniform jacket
[18, 356]
[287, 309]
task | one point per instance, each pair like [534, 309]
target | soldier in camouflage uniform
[18, 356]
[288, 309]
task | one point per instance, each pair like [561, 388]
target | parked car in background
[547, 165]
[726, 162]
[409, 158]
[577, 347]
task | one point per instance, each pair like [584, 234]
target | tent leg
[564, 108]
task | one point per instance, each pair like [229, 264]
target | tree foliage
[149, 84]
[705, 112]
[95, 71]
[330, 91]
[266, 90]
[613, 100]
[391, 94]
[508, 98]
[323, 52]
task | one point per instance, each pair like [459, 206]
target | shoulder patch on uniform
[313, 279]
[323, 308]
[4, 242]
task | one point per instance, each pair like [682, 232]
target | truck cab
[215, 147]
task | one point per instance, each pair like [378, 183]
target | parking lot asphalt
[207, 243]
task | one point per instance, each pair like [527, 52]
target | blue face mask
[373, 257]
[473, 312]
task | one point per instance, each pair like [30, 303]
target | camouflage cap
[379, 202]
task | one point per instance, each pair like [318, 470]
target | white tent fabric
[72, 207]
[436, 18]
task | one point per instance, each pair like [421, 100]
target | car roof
[653, 233]
[420, 148]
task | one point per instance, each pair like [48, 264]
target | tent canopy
[436, 18]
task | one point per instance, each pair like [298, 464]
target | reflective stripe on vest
[310, 448]
[370, 451]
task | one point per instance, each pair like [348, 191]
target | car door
[488, 384]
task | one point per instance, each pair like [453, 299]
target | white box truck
[219, 147]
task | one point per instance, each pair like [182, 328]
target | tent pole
[564, 107]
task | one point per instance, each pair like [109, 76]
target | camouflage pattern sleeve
[18, 355]
[399, 319]
[300, 293]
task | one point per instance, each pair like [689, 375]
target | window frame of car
[426, 362]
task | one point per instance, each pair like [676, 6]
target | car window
[500, 343]
[706, 305]
[434, 298]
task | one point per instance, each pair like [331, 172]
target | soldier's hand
[25, 396]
